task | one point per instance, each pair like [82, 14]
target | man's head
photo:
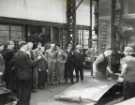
[79, 47]
[108, 52]
[52, 46]
[23, 46]
[29, 46]
[39, 45]
[1, 46]
[128, 50]
[10, 45]
[69, 46]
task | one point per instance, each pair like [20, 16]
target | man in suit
[79, 59]
[23, 66]
[69, 65]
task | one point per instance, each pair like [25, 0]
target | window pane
[16, 35]
[4, 27]
[4, 36]
[131, 6]
[16, 28]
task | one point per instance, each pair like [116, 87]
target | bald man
[128, 73]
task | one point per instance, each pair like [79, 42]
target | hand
[39, 57]
[120, 79]
[117, 74]
[1, 73]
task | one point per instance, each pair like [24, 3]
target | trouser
[35, 78]
[41, 78]
[128, 90]
[24, 91]
[10, 79]
[60, 71]
[79, 72]
[51, 70]
[68, 73]
[89, 65]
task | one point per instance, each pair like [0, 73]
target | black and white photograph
[67, 52]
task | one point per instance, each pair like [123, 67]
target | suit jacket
[23, 66]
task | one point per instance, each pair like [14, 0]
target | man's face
[108, 52]
[1, 47]
[69, 46]
[53, 46]
[30, 46]
[128, 51]
[11, 46]
[39, 45]
[25, 47]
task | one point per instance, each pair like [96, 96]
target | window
[83, 38]
[9, 32]
[129, 6]
[17, 33]
[4, 33]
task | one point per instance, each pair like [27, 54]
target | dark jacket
[79, 58]
[23, 65]
[8, 56]
[70, 58]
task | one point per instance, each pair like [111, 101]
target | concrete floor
[46, 96]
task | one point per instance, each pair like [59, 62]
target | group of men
[25, 68]
[64, 62]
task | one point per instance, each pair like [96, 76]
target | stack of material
[6, 97]
[89, 91]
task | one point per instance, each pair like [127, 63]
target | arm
[99, 59]
[123, 67]
[123, 70]
[94, 68]
[109, 70]
[2, 65]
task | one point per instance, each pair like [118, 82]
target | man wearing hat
[128, 72]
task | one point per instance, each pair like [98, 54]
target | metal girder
[77, 5]
[71, 20]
